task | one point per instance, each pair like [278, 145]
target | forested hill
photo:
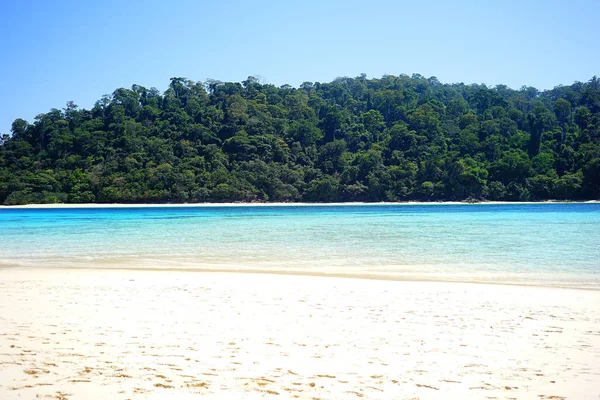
[354, 139]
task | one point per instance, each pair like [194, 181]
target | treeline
[354, 139]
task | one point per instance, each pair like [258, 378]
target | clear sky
[55, 51]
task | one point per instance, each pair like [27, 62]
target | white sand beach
[98, 334]
[279, 204]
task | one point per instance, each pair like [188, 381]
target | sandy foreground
[97, 334]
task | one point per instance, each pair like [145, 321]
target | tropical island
[395, 138]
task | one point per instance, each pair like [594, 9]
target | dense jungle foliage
[354, 139]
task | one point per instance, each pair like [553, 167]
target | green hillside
[355, 139]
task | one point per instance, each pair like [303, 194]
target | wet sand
[124, 334]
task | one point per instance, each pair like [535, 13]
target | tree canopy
[395, 138]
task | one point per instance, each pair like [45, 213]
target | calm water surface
[549, 244]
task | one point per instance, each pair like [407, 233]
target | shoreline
[284, 204]
[382, 277]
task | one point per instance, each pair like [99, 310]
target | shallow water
[545, 244]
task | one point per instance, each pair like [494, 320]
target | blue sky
[55, 51]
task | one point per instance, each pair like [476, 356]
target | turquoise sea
[547, 244]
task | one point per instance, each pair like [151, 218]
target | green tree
[390, 138]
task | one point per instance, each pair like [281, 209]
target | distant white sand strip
[256, 204]
[97, 334]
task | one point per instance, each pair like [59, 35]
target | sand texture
[93, 334]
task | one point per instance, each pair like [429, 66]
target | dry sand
[95, 334]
